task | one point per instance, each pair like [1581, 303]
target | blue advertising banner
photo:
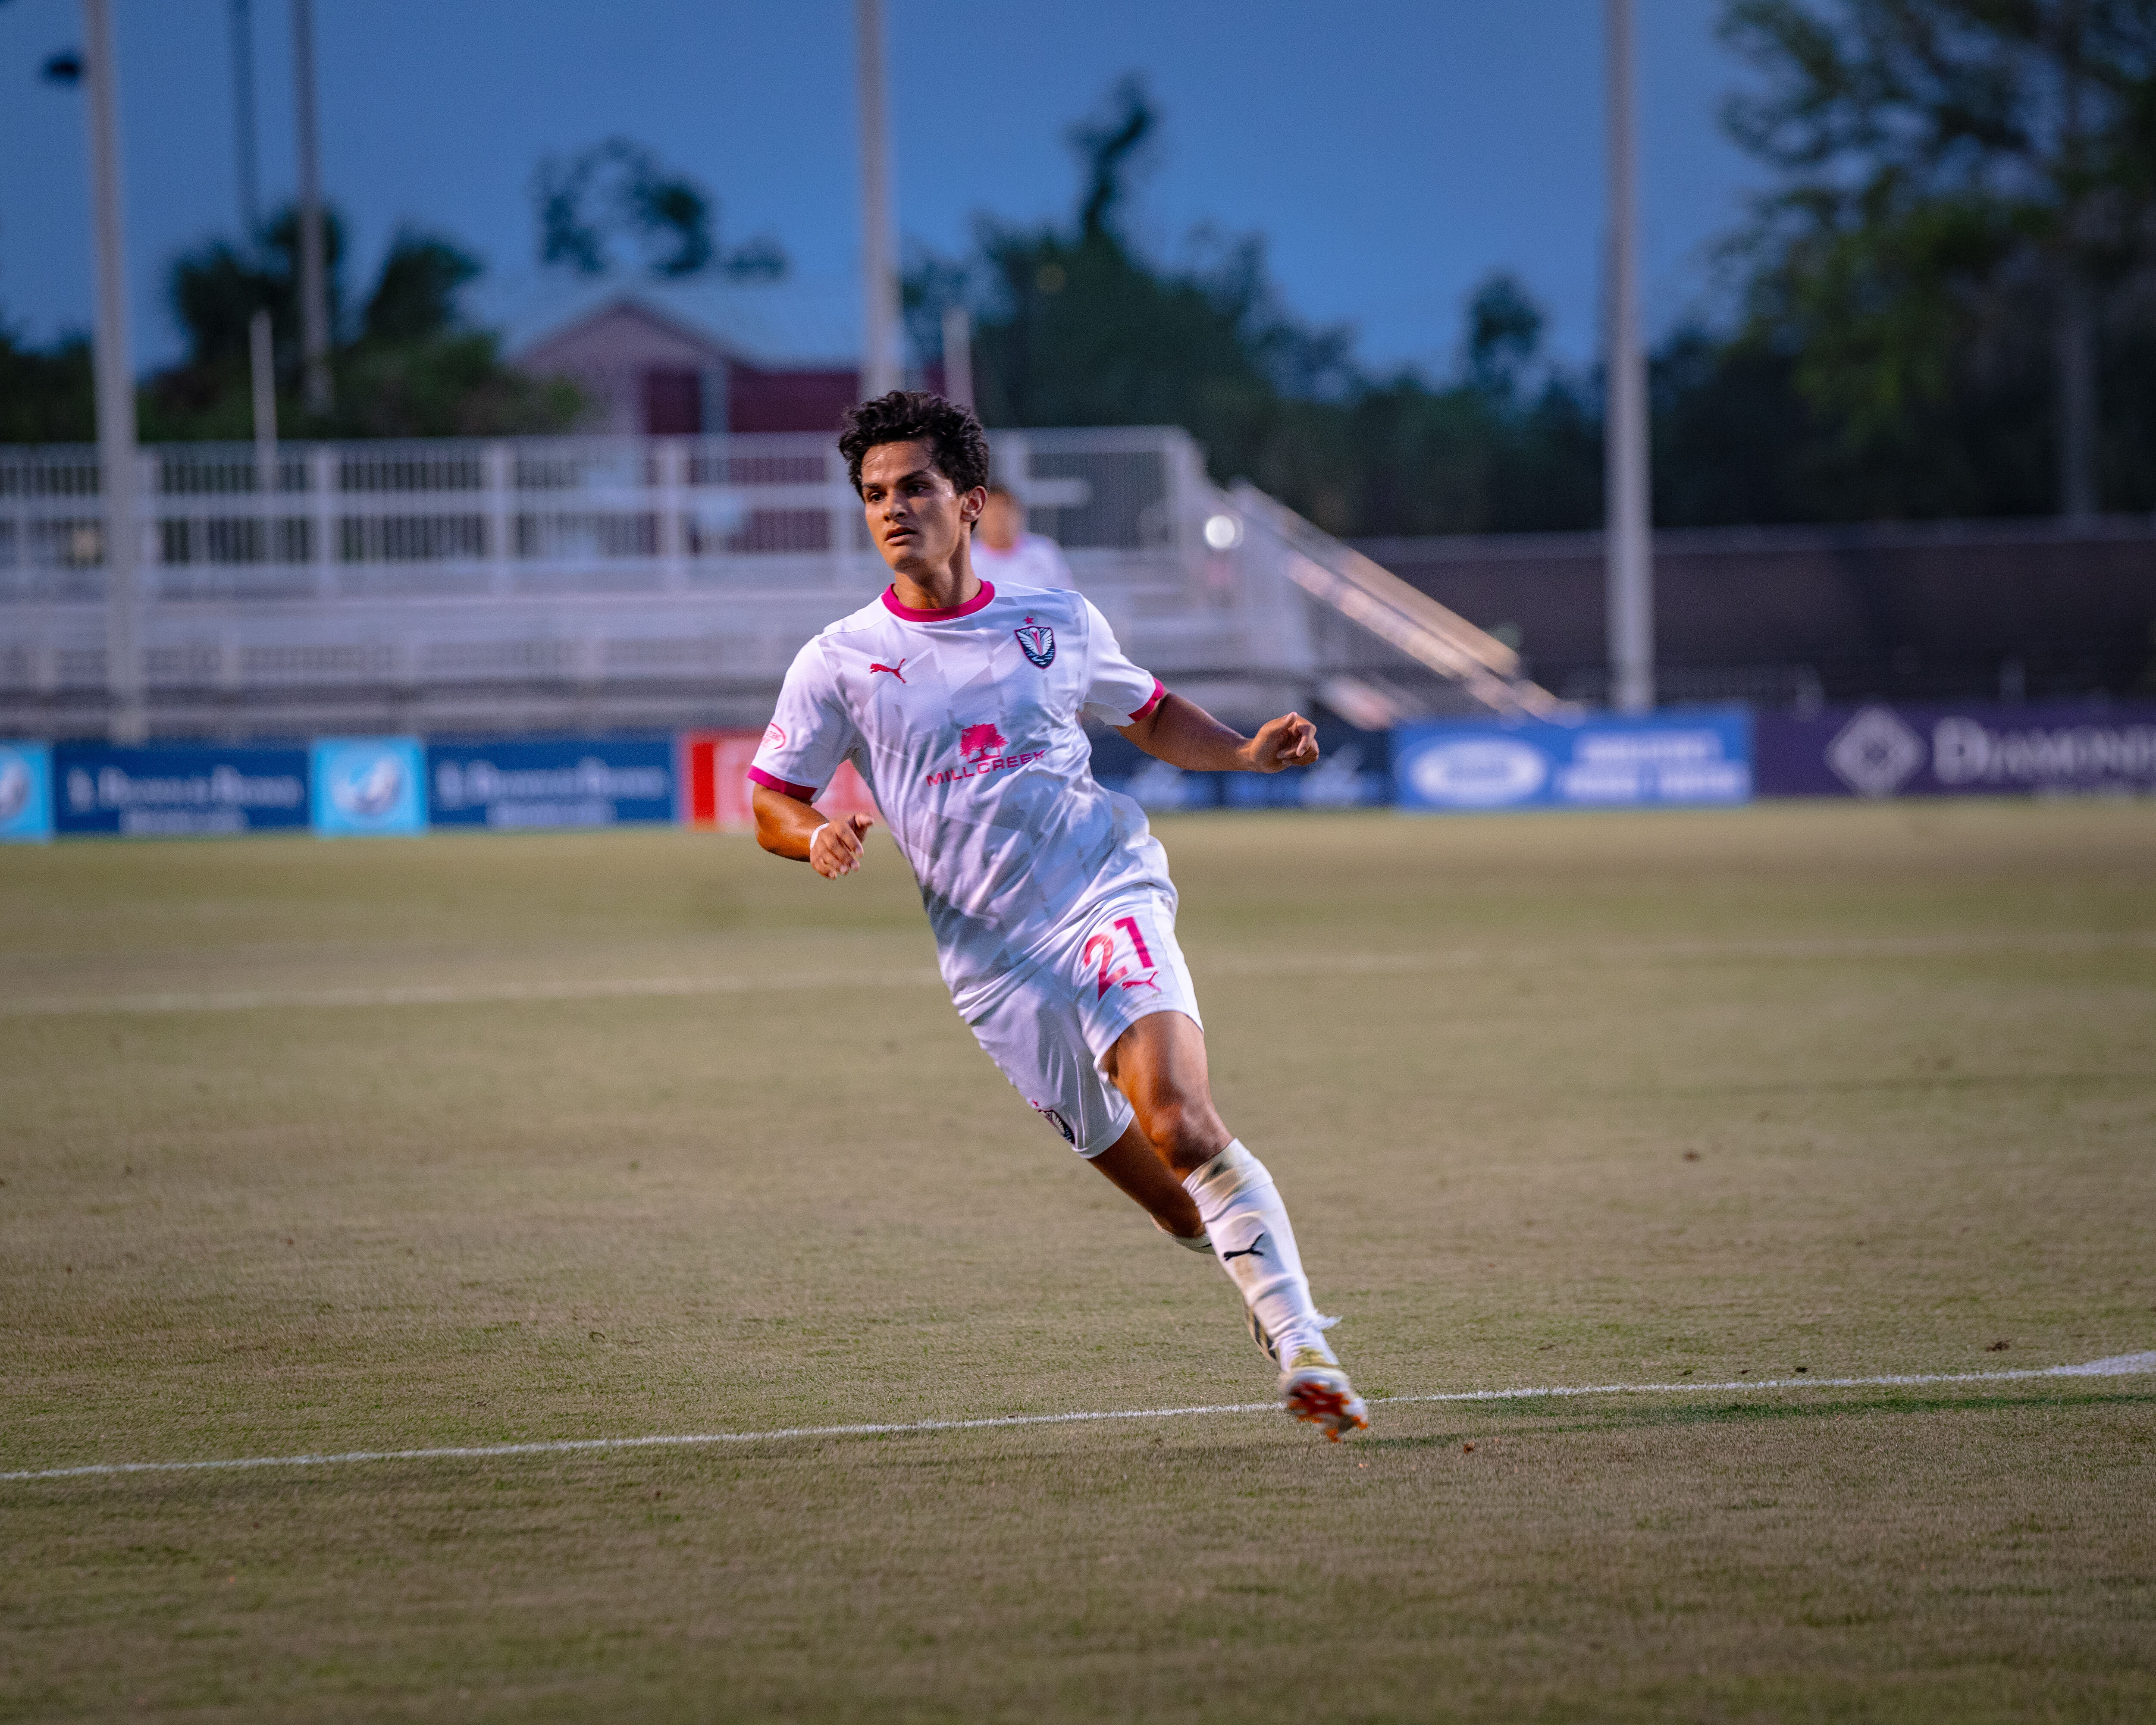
[199, 790]
[26, 793]
[1352, 772]
[1663, 760]
[551, 784]
[1963, 749]
[364, 785]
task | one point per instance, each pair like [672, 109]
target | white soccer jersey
[966, 723]
[1035, 561]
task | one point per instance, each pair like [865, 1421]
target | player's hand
[1289, 741]
[836, 848]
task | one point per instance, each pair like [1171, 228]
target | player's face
[1000, 521]
[916, 517]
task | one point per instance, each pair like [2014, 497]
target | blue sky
[1391, 153]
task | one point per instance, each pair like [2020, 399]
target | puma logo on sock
[1256, 1249]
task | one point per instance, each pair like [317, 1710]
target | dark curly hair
[957, 446]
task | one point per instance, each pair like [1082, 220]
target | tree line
[1946, 307]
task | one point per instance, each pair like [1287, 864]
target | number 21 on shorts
[1100, 949]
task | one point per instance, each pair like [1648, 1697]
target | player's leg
[1139, 1172]
[1159, 1065]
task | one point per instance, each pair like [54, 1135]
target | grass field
[315, 1146]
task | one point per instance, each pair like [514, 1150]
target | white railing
[449, 518]
[615, 582]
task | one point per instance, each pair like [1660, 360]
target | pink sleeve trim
[799, 792]
[1153, 701]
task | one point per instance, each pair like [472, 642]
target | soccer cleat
[1315, 1389]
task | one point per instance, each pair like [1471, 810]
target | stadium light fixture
[1222, 532]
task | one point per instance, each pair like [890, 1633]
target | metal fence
[616, 581]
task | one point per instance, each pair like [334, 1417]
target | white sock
[1247, 1225]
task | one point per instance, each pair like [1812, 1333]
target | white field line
[762, 982]
[2123, 1365]
[472, 993]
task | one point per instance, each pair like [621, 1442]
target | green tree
[407, 365]
[616, 192]
[1961, 243]
[1074, 325]
[47, 396]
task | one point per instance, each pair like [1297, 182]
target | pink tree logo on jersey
[978, 741]
[983, 748]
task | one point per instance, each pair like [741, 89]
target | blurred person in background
[1006, 554]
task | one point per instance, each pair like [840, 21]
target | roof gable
[623, 332]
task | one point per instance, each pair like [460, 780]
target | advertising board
[598, 783]
[201, 790]
[1351, 773]
[1663, 760]
[715, 787]
[1960, 749]
[368, 785]
[26, 793]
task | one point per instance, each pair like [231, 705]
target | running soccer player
[961, 704]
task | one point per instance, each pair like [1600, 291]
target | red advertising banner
[715, 788]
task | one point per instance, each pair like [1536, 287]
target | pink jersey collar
[890, 602]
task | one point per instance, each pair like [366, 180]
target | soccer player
[1008, 553]
[961, 704]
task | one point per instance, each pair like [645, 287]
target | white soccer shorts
[1049, 1031]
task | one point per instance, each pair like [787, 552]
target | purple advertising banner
[1966, 749]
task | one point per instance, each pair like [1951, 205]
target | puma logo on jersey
[1256, 1249]
[897, 670]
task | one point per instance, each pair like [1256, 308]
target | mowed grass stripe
[2123, 1365]
[570, 988]
[1568, 1103]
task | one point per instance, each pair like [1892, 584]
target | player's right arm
[810, 734]
[788, 827]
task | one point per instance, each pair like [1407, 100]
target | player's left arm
[1184, 734]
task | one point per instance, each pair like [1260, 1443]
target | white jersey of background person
[1035, 561]
[968, 725]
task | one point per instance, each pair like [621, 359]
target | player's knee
[1184, 1131]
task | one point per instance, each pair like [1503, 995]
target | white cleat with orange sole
[1315, 1389]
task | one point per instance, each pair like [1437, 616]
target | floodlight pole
[114, 363]
[1627, 527]
[958, 355]
[262, 369]
[242, 120]
[314, 264]
[881, 369]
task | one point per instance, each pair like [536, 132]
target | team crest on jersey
[1037, 641]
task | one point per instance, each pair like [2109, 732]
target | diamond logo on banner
[1875, 752]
